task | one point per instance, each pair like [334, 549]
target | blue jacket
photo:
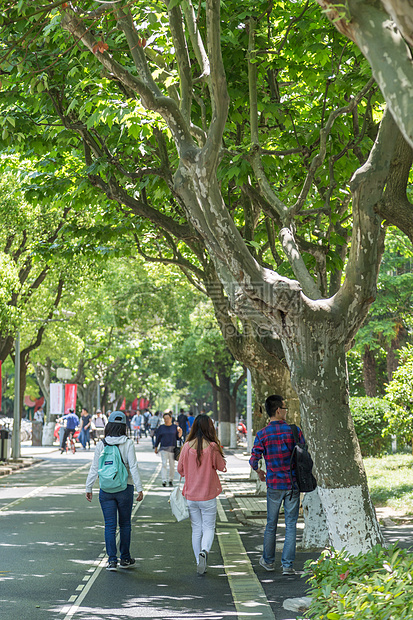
[166, 436]
[71, 421]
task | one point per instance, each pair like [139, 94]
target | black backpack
[302, 464]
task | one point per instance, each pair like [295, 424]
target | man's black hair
[272, 403]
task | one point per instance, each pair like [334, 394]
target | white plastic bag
[178, 503]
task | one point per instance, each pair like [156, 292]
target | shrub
[372, 586]
[370, 421]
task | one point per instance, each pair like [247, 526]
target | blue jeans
[84, 437]
[275, 497]
[114, 504]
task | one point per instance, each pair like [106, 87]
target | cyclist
[72, 421]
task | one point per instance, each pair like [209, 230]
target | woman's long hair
[203, 428]
[115, 429]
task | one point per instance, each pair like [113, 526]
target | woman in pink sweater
[199, 461]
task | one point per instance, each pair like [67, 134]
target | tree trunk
[227, 433]
[215, 402]
[281, 385]
[87, 394]
[6, 346]
[43, 372]
[369, 373]
[392, 360]
[319, 373]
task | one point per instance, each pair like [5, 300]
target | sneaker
[164, 484]
[267, 566]
[111, 566]
[127, 563]
[288, 570]
[202, 562]
[170, 483]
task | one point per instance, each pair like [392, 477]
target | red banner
[70, 396]
[143, 403]
[123, 405]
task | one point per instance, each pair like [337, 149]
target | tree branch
[219, 92]
[182, 57]
[143, 85]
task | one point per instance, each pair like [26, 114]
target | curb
[10, 467]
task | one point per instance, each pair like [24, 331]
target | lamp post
[15, 449]
[249, 411]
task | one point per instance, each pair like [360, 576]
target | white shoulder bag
[178, 504]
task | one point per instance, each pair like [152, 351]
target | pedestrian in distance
[200, 458]
[99, 421]
[154, 422]
[191, 419]
[275, 443]
[135, 426]
[71, 421]
[117, 505]
[39, 415]
[183, 423]
[167, 435]
[85, 424]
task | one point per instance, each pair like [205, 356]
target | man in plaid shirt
[275, 443]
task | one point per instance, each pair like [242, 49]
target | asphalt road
[52, 556]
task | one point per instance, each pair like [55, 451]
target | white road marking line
[70, 611]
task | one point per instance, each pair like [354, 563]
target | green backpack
[113, 475]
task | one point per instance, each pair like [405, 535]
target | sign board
[65, 374]
[56, 398]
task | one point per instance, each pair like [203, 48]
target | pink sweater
[201, 481]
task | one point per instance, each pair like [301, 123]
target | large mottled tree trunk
[369, 373]
[319, 373]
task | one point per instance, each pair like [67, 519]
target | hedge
[370, 423]
[374, 586]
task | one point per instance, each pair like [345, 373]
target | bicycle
[71, 444]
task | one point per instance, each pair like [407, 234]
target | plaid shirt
[275, 443]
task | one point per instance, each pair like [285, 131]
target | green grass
[390, 480]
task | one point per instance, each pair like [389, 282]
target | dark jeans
[114, 504]
[84, 437]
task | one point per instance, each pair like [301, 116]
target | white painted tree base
[315, 535]
[227, 434]
[47, 435]
[350, 524]
[298, 605]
